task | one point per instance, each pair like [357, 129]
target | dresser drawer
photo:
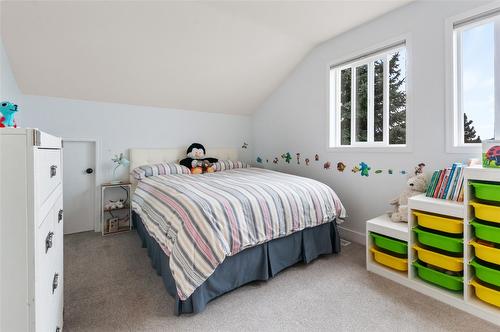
[48, 173]
[49, 269]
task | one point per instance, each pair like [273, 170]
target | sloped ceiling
[222, 57]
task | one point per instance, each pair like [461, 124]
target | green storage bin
[390, 244]
[486, 273]
[450, 244]
[486, 191]
[486, 232]
[441, 279]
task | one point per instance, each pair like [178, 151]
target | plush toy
[8, 111]
[416, 184]
[196, 160]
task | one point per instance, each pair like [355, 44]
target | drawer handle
[55, 282]
[48, 241]
[53, 171]
[59, 216]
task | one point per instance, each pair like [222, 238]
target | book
[444, 182]
[458, 174]
[459, 187]
[438, 185]
[449, 182]
[432, 184]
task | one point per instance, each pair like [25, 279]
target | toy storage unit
[452, 249]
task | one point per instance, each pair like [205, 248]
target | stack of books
[448, 183]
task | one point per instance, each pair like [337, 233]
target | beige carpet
[110, 286]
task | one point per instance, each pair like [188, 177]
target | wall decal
[287, 156]
[275, 160]
[378, 171]
[341, 166]
[403, 172]
[327, 165]
[307, 161]
[316, 157]
[259, 160]
[245, 145]
[390, 171]
[419, 169]
[298, 158]
[267, 160]
[365, 169]
[355, 169]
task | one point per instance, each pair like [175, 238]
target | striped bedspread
[198, 220]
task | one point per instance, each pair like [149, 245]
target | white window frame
[454, 111]
[367, 56]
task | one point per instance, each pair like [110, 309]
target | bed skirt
[257, 263]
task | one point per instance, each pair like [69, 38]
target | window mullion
[386, 100]
[496, 78]
[338, 108]
[353, 105]
[370, 112]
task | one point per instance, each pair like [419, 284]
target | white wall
[8, 85]
[293, 118]
[118, 127]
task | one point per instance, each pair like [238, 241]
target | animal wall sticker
[275, 160]
[355, 169]
[316, 157]
[307, 161]
[287, 156]
[365, 169]
[327, 165]
[403, 172]
[341, 166]
[390, 171]
[298, 158]
[379, 171]
[259, 160]
[245, 145]
[267, 161]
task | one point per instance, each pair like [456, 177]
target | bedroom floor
[110, 286]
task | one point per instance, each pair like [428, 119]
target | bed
[209, 234]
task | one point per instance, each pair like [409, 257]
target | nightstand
[116, 211]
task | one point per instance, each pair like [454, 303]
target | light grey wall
[294, 117]
[8, 85]
[118, 127]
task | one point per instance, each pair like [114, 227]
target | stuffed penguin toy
[196, 160]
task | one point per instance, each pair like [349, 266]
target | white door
[79, 186]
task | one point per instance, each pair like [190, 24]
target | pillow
[223, 165]
[145, 171]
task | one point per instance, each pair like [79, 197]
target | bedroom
[113, 86]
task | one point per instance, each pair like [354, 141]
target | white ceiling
[222, 57]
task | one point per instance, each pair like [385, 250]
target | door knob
[89, 170]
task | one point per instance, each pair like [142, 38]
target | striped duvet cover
[198, 220]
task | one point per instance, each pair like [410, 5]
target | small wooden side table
[116, 219]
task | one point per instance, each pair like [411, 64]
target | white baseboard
[351, 235]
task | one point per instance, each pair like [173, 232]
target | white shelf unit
[465, 301]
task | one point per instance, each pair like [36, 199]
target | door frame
[95, 195]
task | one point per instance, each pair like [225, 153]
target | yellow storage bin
[488, 295]
[400, 264]
[440, 223]
[486, 212]
[487, 254]
[455, 264]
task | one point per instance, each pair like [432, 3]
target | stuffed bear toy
[416, 184]
[196, 160]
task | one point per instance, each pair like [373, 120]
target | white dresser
[31, 231]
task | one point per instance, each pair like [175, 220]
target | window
[473, 78]
[368, 100]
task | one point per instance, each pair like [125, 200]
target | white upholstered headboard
[139, 157]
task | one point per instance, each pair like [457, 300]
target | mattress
[200, 220]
